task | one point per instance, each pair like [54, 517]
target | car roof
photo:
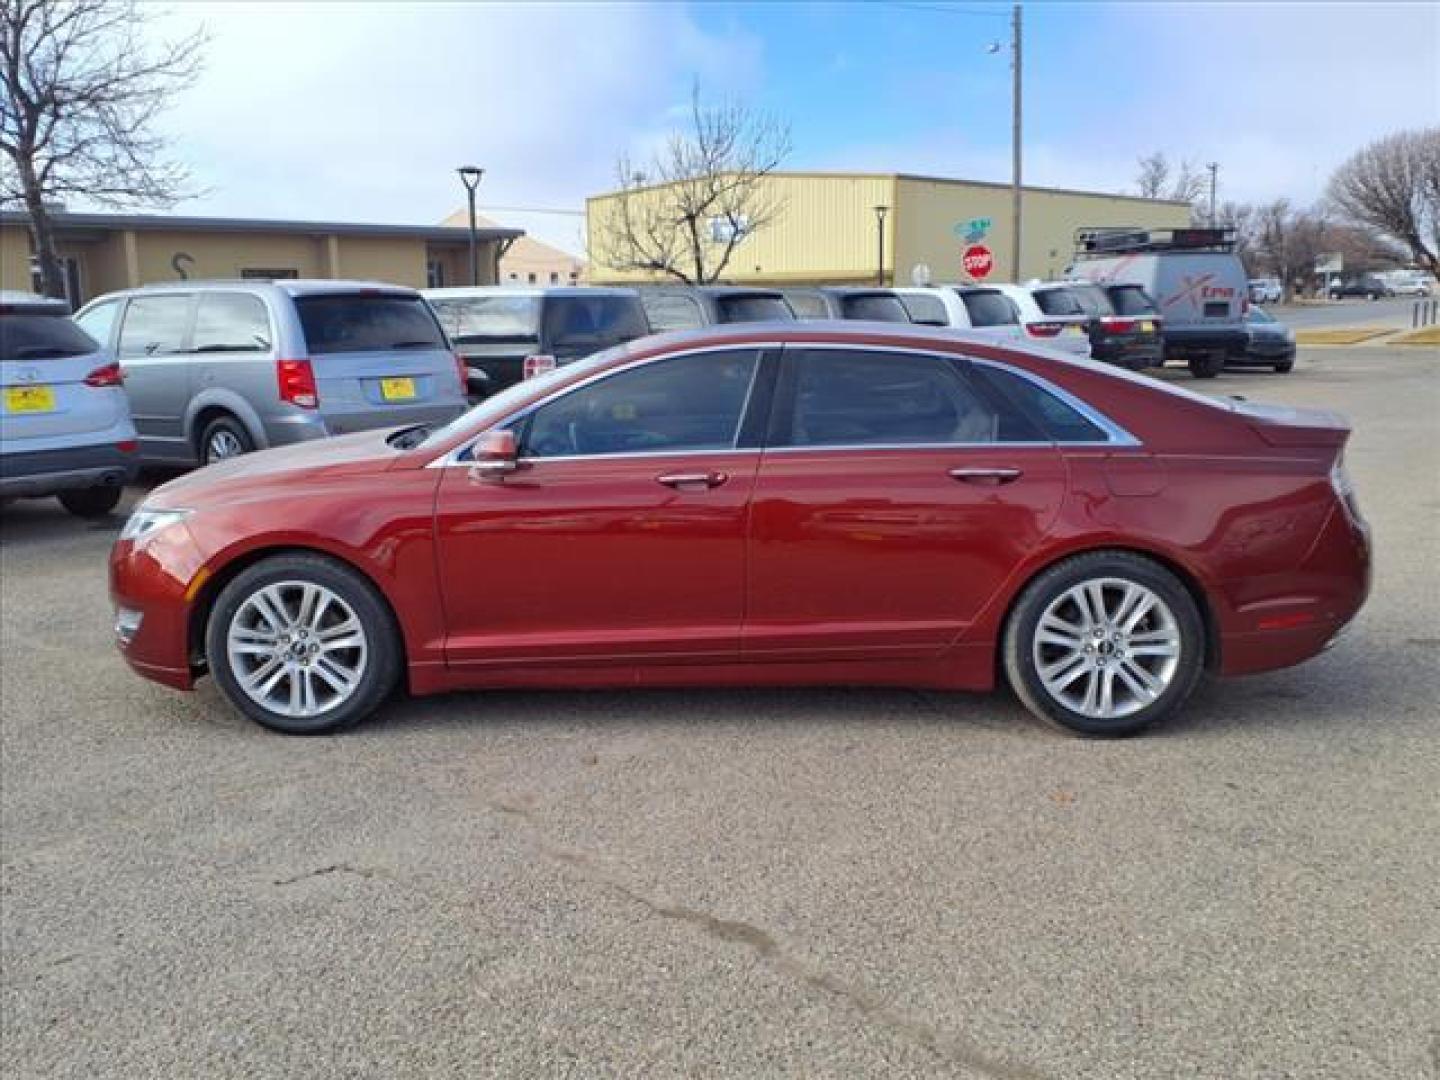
[463, 291]
[289, 286]
[15, 302]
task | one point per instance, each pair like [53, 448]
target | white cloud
[363, 111]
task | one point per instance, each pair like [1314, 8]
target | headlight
[144, 521]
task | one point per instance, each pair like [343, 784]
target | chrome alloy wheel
[296, 648]
[1106, 648]
[222, 445]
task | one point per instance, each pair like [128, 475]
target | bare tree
[1182, 181]
[82, 90]
[1393, 186]
[703, 194]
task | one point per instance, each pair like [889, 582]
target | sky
[362, 112]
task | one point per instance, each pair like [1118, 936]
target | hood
[362, 452]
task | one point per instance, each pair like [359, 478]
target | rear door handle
[986, 476]
[692, 481]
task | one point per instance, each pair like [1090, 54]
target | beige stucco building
[529, 261]
[104, 252]
[828, 230]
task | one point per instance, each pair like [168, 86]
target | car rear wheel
[1284, 367]
[93, 502]
[302, 644]
[1208, 365]
[224, 438]
[1104, 644]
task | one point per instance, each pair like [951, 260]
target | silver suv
[64, 426]
[219, 368]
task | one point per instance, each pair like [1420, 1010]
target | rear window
[672, 311]
[42, 337]
[989, 308]
[356, 323]
[808, 305]
[1092, 300]
[925, 309]
[472, 319]
[593, 321]
[733, 309]
[877, 307]
[1131, 300]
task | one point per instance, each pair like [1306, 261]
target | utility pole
[1015, 54]
[1214, 168]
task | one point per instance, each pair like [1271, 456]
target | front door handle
[986, 476]
[695, 481]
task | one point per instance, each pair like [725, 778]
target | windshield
[42, 337]
[497, 405]
[1259, 315]
[471, 319]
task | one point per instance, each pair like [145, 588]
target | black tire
[92, 502]
[383, 647]
[224, 430]
[1284, 367]
[1372, 296]
[1208, 365]
[1019, 649]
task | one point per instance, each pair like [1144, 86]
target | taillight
[463, 371]
[1117, 326]
[127, 446]
[1344, 489]
[1044, 329]
[538, 365]
[297, 383]
[109, 375]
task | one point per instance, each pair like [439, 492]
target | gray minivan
[218, 368]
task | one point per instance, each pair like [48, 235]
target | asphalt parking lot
[822, 883]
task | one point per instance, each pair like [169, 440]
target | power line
[944, 9]
[533, 210]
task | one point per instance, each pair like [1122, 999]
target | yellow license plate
[397, 389]
[29, 399]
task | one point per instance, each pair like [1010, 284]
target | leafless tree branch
[1393, 187]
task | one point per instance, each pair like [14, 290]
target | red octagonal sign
[978, 261]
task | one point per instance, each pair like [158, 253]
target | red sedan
[805, 503]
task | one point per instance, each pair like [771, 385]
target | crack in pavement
[333, 868]
[954, 1050]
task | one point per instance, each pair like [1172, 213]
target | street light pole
[470, 176]
[880, 212]
[1214, 168]
[1015, 56]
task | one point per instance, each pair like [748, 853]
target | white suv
[65, 426]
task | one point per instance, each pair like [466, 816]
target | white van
[1197, 280]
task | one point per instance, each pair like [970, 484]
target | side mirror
[495, 456]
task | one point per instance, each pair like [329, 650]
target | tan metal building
[828, 230]
[104, 252]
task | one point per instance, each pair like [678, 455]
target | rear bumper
[1264, 352]
[48, 472]
[1185, 342]
[1132, 355]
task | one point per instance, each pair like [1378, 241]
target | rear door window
[986, 307]
[230, 322]
[42, 337]
[753, 308]
[672, 311]
[1059, 420]
[341, 323]
[155, 325]
[1131, 300]
[925, 309]
[876, 307]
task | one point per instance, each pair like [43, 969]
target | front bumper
[158, 580]
[33, 473]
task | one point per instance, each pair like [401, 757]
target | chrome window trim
[452, 457]
[1116, 435]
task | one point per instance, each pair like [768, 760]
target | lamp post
[470, 176]
[880, 212]
[1015, 143]
[1214, 168]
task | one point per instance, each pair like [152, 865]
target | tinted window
[230, 322]
[1260, 315]
[878, 307]
[1092, 300]
[1060, 421]
[98, 321]
[42, 337]
[341, 323]
[888, 399]
[989, 308]
[154, 324]
[925, 309]
[734, 309]
[672, 311]
[685, 403]
[587, 323]
[1058, 302]
[808, 305]
[1131, 300]
[472, 319]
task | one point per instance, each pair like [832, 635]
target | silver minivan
[219, 368]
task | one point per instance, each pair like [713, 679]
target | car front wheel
[1104, 644]
[302, 644]
[93, 502]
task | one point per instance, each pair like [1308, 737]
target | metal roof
[63, 220]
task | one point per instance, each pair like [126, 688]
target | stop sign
[978, 261]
